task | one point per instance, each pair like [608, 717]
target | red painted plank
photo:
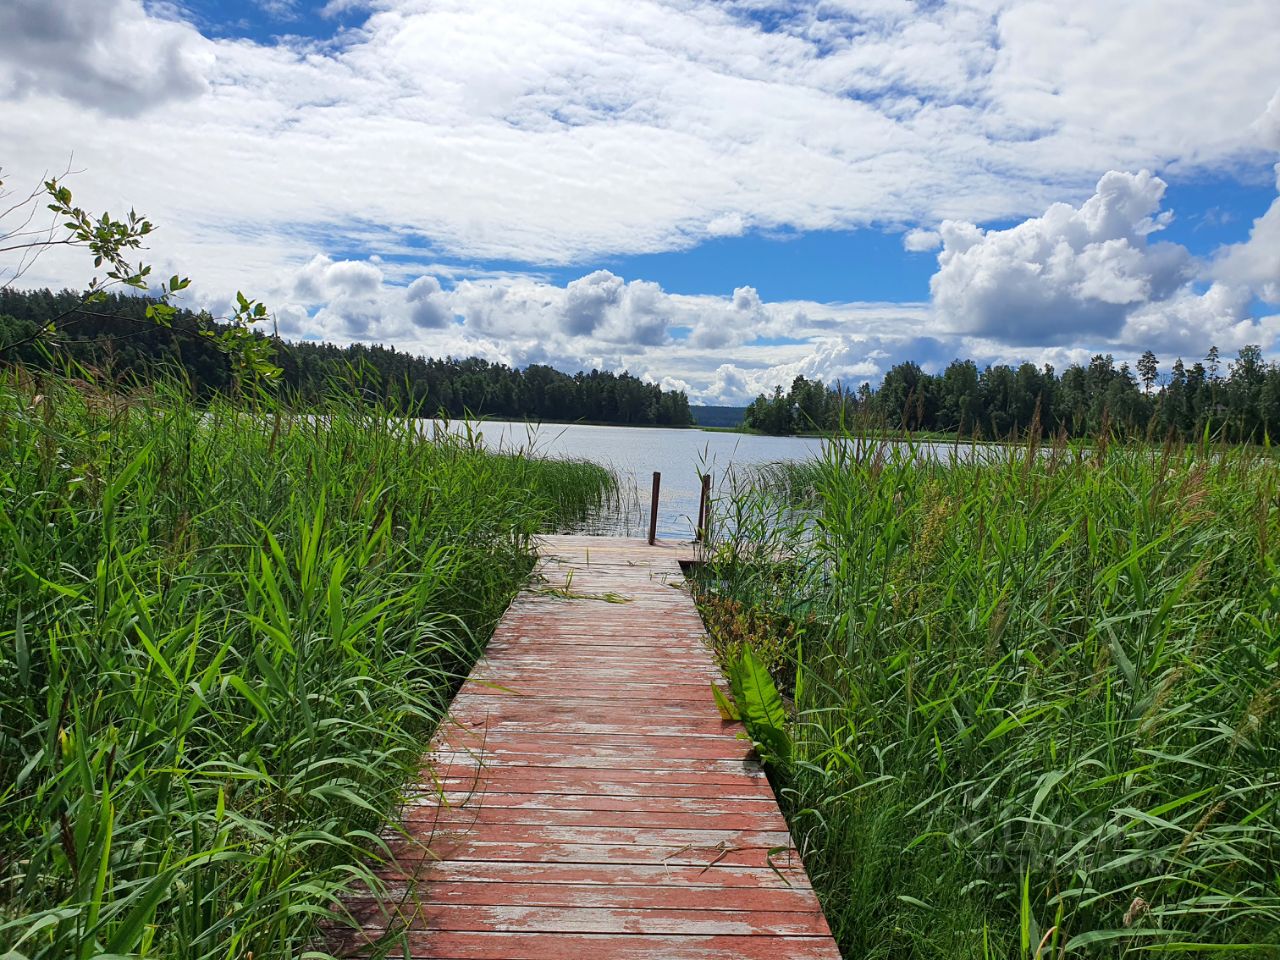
[702, 771]
[568, 723]
[498, 743]
[518, 918]
[481, 811]
[620, 646]
[474, 703]
[465, 767]
[600, 783]
[550, 946]
[575, 649]
[675, 878]
[711, 857]
[568, 803]
[560, 688]
[614, 896]
[618, 674]
[704, 838]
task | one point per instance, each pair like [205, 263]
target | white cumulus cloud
[920, 240]
[110, 55]
[428, 303]
[741, 319]
[727, 225]
[1255, 263]
[1073, 272]
[606, 307]
[1188, 323]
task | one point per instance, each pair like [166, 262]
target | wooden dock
[584, 797]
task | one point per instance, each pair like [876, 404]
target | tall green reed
[1036, 694]
[225, 634]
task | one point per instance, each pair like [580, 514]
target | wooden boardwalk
[584, 798]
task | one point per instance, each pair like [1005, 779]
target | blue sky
[267, 22]
[714, 195]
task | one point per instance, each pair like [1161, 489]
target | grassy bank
[1036, 702]
[225, 635]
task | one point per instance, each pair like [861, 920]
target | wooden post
[701, 533]
[653, 509]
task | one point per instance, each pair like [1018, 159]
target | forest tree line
[1235, 400]
[114, 338]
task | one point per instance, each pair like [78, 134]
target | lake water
[634, 453]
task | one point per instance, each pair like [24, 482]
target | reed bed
[225, 635]
[1034, 699]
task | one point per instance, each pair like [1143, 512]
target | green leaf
[727, 710]
[130, 928]
[1124, 663]
[22, 651]
[251, 695]
[761, 707]
[1024, 916]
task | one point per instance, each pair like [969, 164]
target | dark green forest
[114, 338]
[1235, 400]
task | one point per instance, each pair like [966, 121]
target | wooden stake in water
[653, 509]
[701, 533]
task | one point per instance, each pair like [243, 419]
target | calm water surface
[634, 453]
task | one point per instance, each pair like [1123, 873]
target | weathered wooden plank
[710, 857]
[573, 803]
[682, 838]
[472, 705]
[654, 746]
[677, 879]
[615, 896]
[705, 771]
[515, 679]
[588, 642]
[464, 764]
[567, 723]
[515, 918]
[459, 945]
[482, 812]
[547, 781]
[618, 658]
[561, 687]
[657, 843]
[585, 799]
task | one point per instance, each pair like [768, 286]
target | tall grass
[225, 635]
[1036, 696]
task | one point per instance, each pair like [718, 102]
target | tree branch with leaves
[111, 242]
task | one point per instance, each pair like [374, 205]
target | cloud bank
[1054, 288]
[345, 180]
[558, 132]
